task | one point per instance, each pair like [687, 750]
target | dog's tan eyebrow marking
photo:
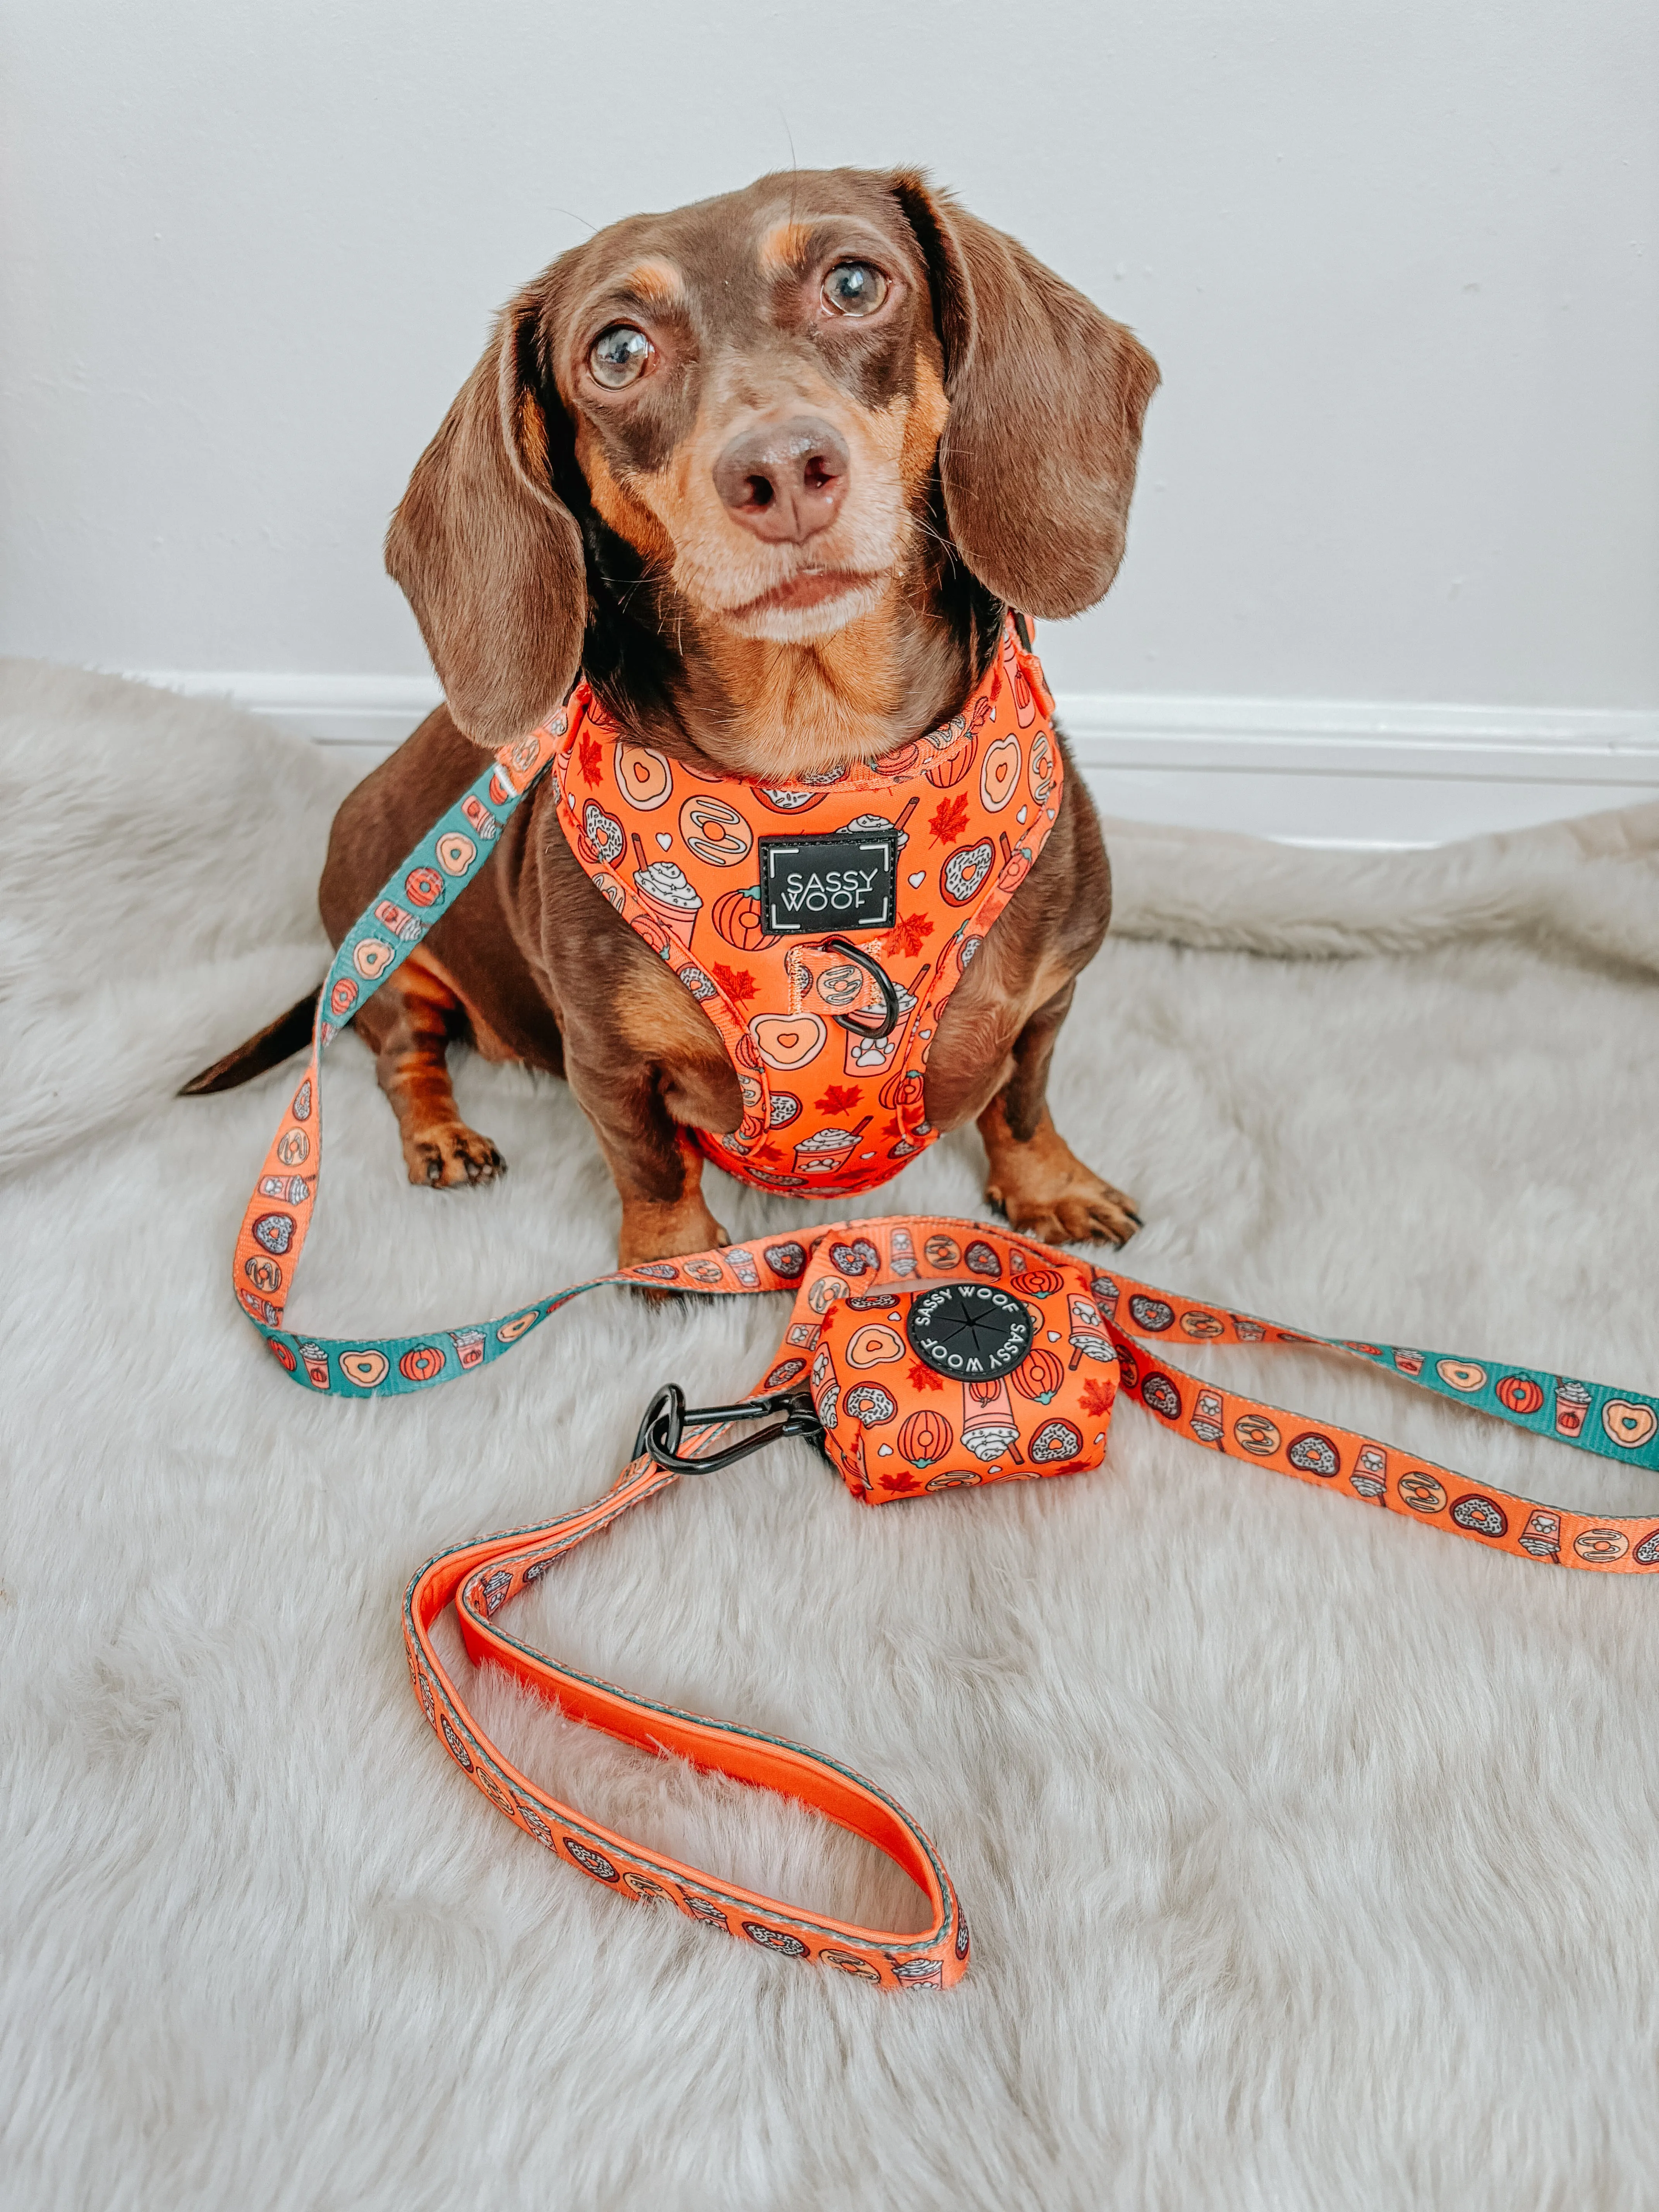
[656, 283]
[783, 249]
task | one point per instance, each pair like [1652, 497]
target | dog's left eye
[854, 288]
[619, 356]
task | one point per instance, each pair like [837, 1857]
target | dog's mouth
[806, 588]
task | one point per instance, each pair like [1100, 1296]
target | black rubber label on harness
[830, 883]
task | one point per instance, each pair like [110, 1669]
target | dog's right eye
[619, 356]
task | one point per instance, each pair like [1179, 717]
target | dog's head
[764, 413]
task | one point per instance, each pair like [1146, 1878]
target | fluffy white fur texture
[1310, 1855]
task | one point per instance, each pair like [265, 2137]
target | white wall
[1396, 261]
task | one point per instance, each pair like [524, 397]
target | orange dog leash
[921, 1355]
[925, 1355]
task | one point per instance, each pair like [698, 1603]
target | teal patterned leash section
[1597, 1417]
[1615, 1424]
[425, 885]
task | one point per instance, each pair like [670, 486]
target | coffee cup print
[1371, 1475]
[1541, 1537]
[666, 896]
[469, 1345]
[901, 1253]
[1573, 1404]
[827, 1152]
[316, 1365]
[874, 1055]
[989, 1430]
[1087, 1331]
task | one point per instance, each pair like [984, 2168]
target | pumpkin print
[1519, 1394]
[343, 997]
[421, 1364]
[280, 1352]
[738, 918]
[925, 1437]
[951, 767]
[1040, 1374]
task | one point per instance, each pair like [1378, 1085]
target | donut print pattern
[829, 1107]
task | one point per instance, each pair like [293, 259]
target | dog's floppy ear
[490, 559]
[1047, 397]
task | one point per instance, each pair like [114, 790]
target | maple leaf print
[896, 1482]
[923, 1378]
[1097, 1398]
[950, 820]
[837, 1096]
[904, 938]
[737, 984]
[588, 751]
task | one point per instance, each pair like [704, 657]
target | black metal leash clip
[668, 1415]
[857, 1021]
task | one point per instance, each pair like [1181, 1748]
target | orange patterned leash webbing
[857, 1341]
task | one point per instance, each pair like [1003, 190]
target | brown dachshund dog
[767, 470]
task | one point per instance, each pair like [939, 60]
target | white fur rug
[1310, 1856]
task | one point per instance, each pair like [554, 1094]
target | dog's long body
[767, 470]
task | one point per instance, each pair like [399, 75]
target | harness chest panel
[782, 907]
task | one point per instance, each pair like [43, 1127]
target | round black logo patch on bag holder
[970, 1330]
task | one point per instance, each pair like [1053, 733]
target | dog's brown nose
[784, 481]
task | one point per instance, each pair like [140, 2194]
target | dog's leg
[407, 1025]
[654, 1162]
[1035, 1178]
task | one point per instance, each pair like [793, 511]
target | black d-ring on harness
[667, 1415]
[858, 1020]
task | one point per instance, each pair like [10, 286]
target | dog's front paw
[1082, 1210]
[448, 1152]
[1045, 1190]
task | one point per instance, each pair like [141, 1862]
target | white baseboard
[1316, 771]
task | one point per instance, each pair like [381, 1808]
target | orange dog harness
[822, 924]
[920, 1355]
